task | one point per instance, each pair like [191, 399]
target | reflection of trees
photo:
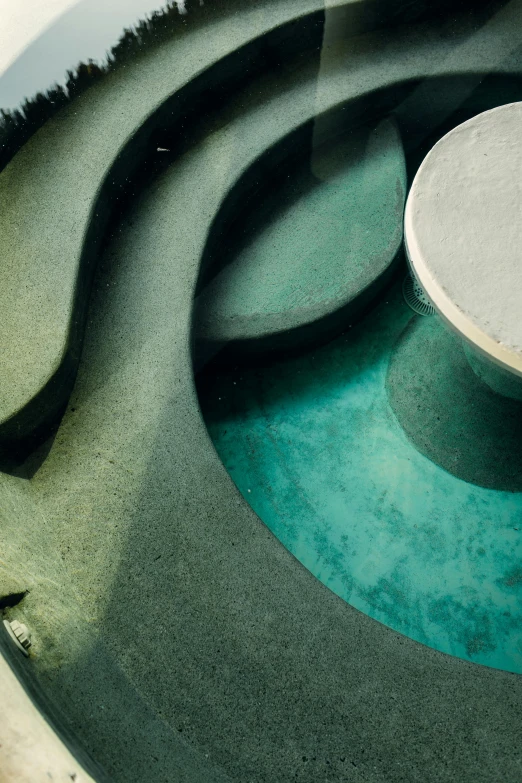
[17, 126]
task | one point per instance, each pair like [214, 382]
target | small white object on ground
[20, 635]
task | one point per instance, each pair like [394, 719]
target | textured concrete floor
[176, 634]
[319, 447]
[96, 141]
[328, 236]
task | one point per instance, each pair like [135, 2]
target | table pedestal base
[501, 381]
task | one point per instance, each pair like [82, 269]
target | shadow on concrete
[449, 414]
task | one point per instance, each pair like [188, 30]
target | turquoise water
[314, 446]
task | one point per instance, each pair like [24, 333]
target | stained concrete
[82, 151]
[314, 242]
[177, 635]
[170, 624]
[353, 485]
[91, 148]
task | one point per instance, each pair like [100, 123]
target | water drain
[415, 297]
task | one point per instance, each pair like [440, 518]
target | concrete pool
[184, 628]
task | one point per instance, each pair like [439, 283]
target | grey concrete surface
[184, 616]
[91, 148]
[177, 636]
[322, 233]
[41, 340]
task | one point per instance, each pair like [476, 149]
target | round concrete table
[463, 236]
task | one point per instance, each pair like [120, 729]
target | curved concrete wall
[180, 640]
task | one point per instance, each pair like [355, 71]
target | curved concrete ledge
[92, 147]
[195, 627]
[197, 639]
[317, 248]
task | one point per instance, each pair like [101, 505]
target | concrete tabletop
[463, 231]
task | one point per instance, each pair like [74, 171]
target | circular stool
[463, 237]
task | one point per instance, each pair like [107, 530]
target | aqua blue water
[314, 446]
